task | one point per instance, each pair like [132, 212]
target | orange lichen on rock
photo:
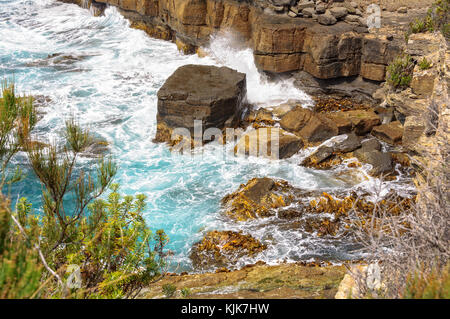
[333, 104]
[361, 209]
[256, 199]
[220, 248]
[334, 160]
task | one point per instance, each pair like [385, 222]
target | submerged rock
[381, 162]
[212, 95]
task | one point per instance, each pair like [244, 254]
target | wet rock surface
[257, 198]
[313, 213]
[222, 248]
[381, 162]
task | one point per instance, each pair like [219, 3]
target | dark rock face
[320, 155]
[371, 144]
[371, 153]
[349, 144]
[324, 152]
[210, 94]
[381, 162]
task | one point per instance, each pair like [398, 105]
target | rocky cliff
[282, 40]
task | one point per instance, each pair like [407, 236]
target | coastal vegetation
[436, 19]
[400, 71]
[87, 240]
[424, 64]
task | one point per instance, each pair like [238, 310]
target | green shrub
[437, 18]
[185, 292]
[400, 71]
[107, 238]
[424, 64]
[20, 269]
[169, 290]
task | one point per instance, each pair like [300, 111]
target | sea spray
[226, 49]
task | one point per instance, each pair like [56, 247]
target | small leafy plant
[424, 64]
[400, 71]
[185, 292]
[169, 290]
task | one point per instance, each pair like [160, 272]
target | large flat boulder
[212, 95]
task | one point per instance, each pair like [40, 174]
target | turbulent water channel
[107, 75]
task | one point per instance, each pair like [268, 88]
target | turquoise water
[109, 83]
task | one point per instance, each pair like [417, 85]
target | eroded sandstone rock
[362, 121]
[391, 133]
[212, 95]
[311, 126]
[414, 127]
[269, 142]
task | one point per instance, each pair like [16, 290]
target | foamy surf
[226, 50]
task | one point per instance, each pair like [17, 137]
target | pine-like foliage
[105, 239]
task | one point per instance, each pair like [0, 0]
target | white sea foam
[226, 50]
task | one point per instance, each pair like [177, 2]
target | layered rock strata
[280, 43]
[212, 96]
